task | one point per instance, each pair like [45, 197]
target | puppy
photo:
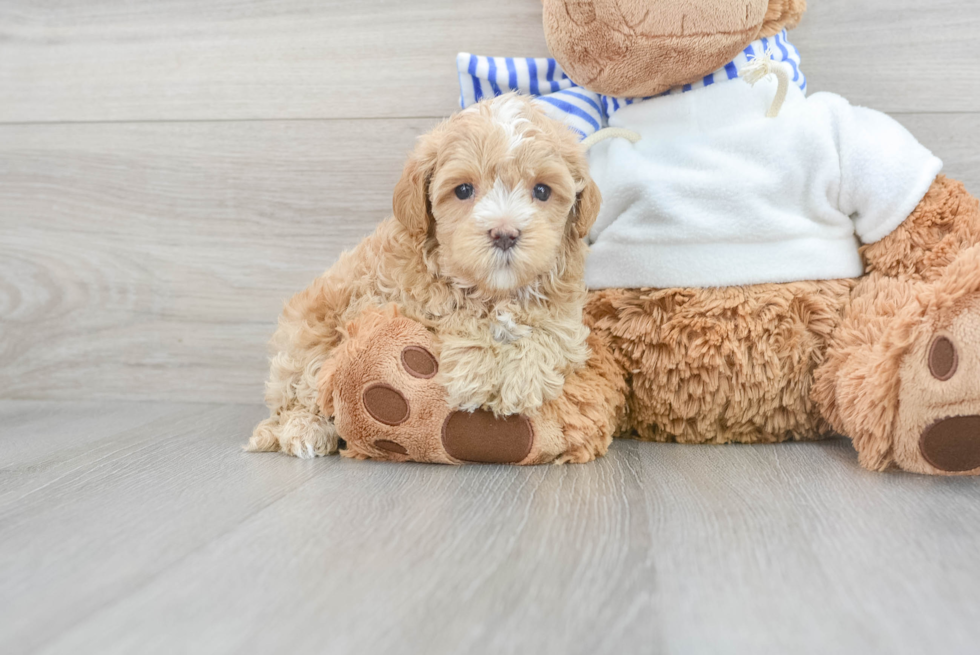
[485, 249]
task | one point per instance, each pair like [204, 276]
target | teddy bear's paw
[476, 436]
[952, 444]
[388, 401]
[479, 436]
[484, 437]
[389, 406]
[937, 428]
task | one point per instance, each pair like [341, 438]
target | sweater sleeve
[885, 172]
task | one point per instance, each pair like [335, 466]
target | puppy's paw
[307, 435]
[526, 383]
[265, 437]
[470, 373]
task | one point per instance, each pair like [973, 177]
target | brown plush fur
[644, 47]
[924, 280]
[782, 15]
[945, 223]
[721, 365]
[507, 324]
[591, 405]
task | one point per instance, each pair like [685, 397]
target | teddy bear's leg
[902, 374]
[590, 409]
[720, 365]
[382, 387]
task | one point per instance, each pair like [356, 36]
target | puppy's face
[504, 190]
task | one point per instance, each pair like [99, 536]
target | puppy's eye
[464, 191]
[542, 192]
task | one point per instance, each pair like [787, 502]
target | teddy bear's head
[631, 48]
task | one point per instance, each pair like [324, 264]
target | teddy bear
[388, 403]
[766, 266]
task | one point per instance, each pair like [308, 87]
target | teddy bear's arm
[884, 171]
[945, 223]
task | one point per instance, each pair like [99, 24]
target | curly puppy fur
[509, 323]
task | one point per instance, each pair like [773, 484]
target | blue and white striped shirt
[582, 110]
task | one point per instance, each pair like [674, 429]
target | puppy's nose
[504, 239]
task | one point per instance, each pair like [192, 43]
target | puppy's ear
[410, 201]
[586, 209]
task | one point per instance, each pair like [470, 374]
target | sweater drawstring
[760, 68]
[609, 133]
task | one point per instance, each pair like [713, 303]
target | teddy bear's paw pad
[386, 404]
[390, 446]
[952, 444]
[419, 362]
[481, 437]
[943, 359]
[937, 430]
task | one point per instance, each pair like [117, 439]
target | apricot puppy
[485, 250]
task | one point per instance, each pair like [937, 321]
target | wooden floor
[142, 528]
[170, 172]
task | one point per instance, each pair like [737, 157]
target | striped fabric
[584, 111]
[561, 99]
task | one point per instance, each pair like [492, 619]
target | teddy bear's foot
[938, 424]
[482, 437]
[902, 378]
[389, 404]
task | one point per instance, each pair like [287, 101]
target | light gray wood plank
[113, 60]
[185, 544]
[897, 56]
[149, 261]
[116, 60]
[42, 441]
[96, 521]
[955, 138]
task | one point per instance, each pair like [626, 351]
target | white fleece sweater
[716, 194]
